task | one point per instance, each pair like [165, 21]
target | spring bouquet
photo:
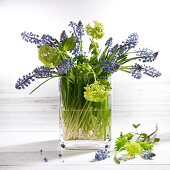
[85, 111]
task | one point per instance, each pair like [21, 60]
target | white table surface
[30, 123]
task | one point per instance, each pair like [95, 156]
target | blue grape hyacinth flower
[109, 42]
[109, 66]
[131, 41]
[137, 71]
[63, 36]
[39, 72]
[147, 55]
[102, 154]
[65, 66]
[39, 41]
[78, 30]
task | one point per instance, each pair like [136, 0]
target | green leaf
[42, 84]
[144, 136]
[93, 45]
[94, 48]
[69, 44]
[120, 142]
[82, 69]
[98, 71]
[93, 60]
[129, 136]
[156, 139]
[116, 160]
[135, 125]
[146, 145]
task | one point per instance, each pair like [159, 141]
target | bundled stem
[82, 119]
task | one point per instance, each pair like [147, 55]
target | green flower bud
[95, 32]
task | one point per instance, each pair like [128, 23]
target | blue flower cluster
[130, 42]
[148, 154]
[78, 30]
[138, 69]
[63, 36]
[39, 72]
[65, 65]
[109, 42]
[114, 48]
[43, 72]
[39, 41]
[77, 51]
[25, 81]
[150, 71]
[109, 66]
[102, 154]
[147, 55]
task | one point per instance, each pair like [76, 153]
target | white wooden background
[30, 123]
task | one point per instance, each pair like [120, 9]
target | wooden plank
[30, 123]
[77, 158]
[28, 141]
[89, 167]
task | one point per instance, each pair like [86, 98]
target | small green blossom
[96, 92]
[133, 149]
[95, 32]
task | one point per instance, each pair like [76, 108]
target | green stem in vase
[83, 119]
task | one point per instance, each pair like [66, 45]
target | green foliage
[135, 125]
[129, 136]
[95, 32]
[144, 136]
[92, 119]
[133, 149]
[156, 139]
[49, 56]
[134, 143]
[69, 44]
[82, 70]
[94, 48]
[121, 142]
[147, 145]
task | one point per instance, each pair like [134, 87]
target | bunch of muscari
[60, 57]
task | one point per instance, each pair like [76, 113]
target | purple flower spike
[109, 42]
[131, 41]
[39, 72]
[137, 71]
[65, 66]
[63, 36]
[147, 55]
[109, 66]
[101, 154]
[34, 38]
[78, 30]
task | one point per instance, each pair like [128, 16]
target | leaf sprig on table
[129, 145]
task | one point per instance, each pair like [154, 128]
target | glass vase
[84, 124]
